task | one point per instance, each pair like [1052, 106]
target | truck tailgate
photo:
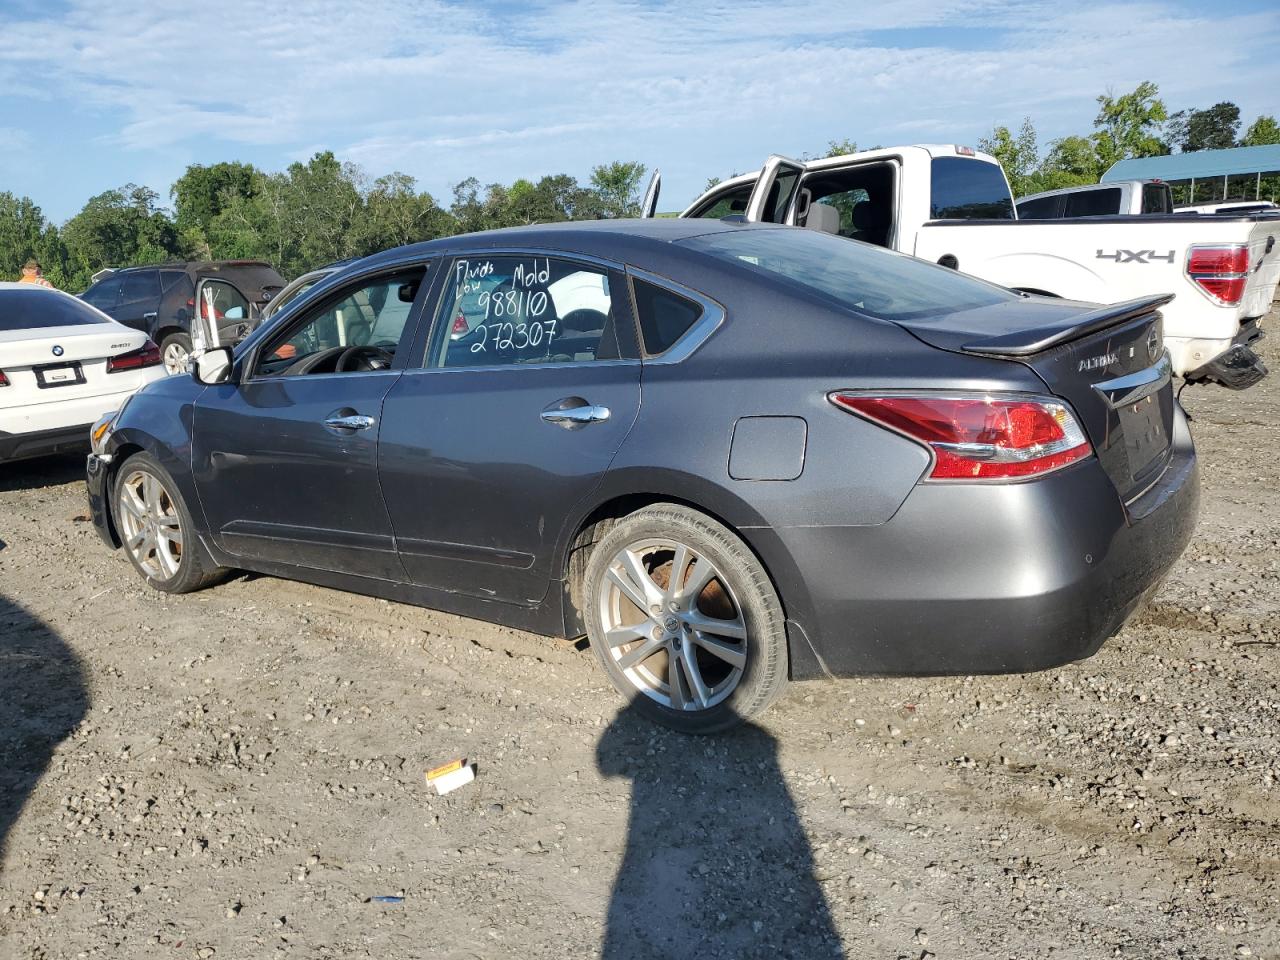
[1264, 268]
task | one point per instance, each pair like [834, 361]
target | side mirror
[212, 367]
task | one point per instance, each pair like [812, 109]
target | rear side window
[1093, 203]
[872, 281]
[965, 189]
[1042, 208]
[504, 310]
[142, 285]
[664, 316]
[171, 278]
[1155, 198]
[40, 308]
[104, 294]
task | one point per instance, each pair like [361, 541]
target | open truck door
[649, 206]
[775, 191]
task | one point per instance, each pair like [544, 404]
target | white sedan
[63, 364]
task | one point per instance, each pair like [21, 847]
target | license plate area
[1145, 436]
[59, 375]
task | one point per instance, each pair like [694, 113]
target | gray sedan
[731, 455]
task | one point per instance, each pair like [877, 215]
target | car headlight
[100, 432]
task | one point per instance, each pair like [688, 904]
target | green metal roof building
[1209, 176]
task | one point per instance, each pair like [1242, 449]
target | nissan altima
[731, 455]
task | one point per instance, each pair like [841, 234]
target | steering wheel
[364, 357]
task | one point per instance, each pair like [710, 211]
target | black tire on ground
[764, 675]
[176, 341]
[195, 569]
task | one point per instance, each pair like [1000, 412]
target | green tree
[1211, 129]
[118, 228]
[1018, 155]
[22, 226]
[617, 187]
[840, 148]
[201, 193]
[1127, 125]
[1261, 132]
[1071, 161]
[396, 214]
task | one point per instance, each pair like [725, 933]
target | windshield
[874, 281]
[289, 296]
[39, 308]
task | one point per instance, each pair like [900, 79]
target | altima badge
[57, 350]
[1097, 363]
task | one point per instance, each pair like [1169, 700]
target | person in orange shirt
[31, 274]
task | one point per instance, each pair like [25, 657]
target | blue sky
[95, 93]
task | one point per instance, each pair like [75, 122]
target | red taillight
[1220, 271]
[979, 437]
[147, 355]
[4, 381]
[460, 325]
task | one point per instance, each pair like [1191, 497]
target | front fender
[159, 422]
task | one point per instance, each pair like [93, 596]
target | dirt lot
[238, 773]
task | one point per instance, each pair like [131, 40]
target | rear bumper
[999, 578]
[41, 443]
[1237, 367]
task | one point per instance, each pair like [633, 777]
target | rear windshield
[38, 308]
[869, 279]
[966, 189]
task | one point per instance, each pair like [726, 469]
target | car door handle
[574, 412]
[149, 316]
[349, 422]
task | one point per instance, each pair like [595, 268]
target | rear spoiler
[1024, 343]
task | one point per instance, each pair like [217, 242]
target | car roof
[19, 285]
[609, 239]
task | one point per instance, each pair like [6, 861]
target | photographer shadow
[717, 862]
[43, 698]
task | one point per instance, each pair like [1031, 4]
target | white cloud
[444, 90]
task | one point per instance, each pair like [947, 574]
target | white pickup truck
[1098, 200]
[952, 205]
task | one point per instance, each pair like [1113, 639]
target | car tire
[175, 351]
[708, 648]
[156, 530]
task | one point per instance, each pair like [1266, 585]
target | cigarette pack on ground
[451, 776]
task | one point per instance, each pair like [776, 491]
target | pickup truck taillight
[1221, 271]
[979, 437]
[4, 381]
[147, 355]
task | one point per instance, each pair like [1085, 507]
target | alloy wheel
[150, 525]
[672, 625]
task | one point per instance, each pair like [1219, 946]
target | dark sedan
[729, 454]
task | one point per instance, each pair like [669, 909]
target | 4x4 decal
[1135, 256]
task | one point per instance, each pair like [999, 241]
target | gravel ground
[239, 773]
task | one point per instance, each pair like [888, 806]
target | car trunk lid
[29, 348]
[1109, 363]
